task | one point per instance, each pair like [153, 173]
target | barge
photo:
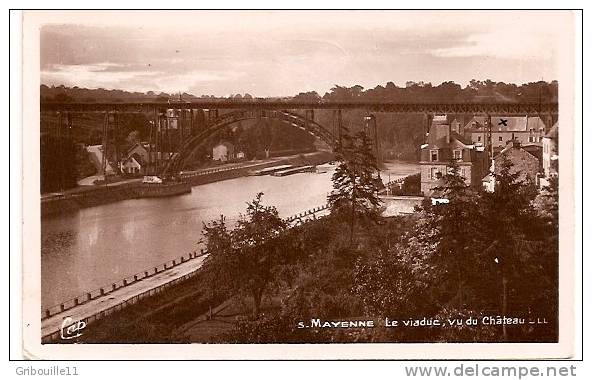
[299, 169]
[270, 170]
[153, 186]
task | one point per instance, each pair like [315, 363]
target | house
[523, 162]
[524, 129]
[551, 152]
[223, 152]
[130, 165]
[443, 146]
[142, 149]
[456, 126]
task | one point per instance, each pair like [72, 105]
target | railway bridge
[197, 121]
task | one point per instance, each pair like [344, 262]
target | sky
[280, 53]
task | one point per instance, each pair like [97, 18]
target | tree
[455, 225]
[354, 184]
[510, 227]
[308, 96]
[257, 238]
[247, 257]
[220, 264]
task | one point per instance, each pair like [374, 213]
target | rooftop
[506, 123]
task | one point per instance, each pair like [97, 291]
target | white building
[223, 152]
[130, 166]
[550, 152]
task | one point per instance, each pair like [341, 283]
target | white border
[320, 351]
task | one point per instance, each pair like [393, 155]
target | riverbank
[99, 195]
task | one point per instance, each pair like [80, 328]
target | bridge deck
[419, 107]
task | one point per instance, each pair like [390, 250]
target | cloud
[104, 75]
[282, 53]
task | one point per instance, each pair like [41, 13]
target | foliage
[480, 254]
[411, 185]
[354, 186]
[246, 259]
[58, 163]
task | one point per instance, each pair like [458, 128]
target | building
[523, 162]
[523, 129]
[551, 152]
[130, 165]
[223, 152]
[457, 127]
[142, 149]
[444, 145]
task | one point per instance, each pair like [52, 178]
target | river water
[93, 247]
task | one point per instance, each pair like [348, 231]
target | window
[434, 173]
[500, 139]
[433, 155]
[479, 138]
[457, 154]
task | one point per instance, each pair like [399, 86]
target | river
[93, 247]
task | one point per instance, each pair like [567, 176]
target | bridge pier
[181, 125]
[104, 155]
[428, 117]
[489, 145]
[372, 130]
[212, 115]
[337, 125]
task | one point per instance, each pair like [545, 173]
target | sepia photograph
[247, 178]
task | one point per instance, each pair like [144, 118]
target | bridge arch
[175, 164]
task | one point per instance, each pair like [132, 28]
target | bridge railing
[506, 108]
